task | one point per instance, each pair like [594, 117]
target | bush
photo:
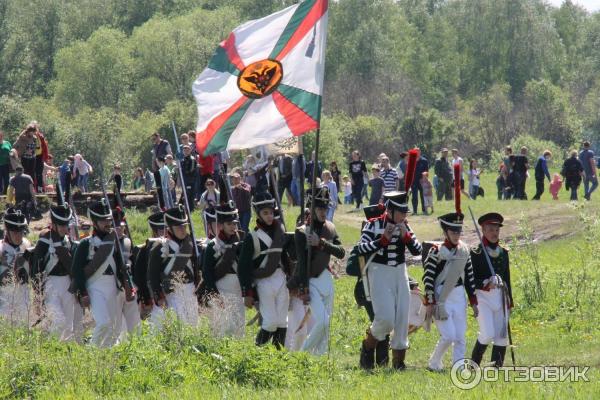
[536, 148]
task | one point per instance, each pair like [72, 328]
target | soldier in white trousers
[384, 240]
[51, 270]
[228, 317]
[448, 274]
[96, 275]
[14, 270]
[172, 272]
[130, 309]
[493, 290]
[299, 323]
[156, 221]
[314, 278]
[261, 266]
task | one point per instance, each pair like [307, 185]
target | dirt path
[542, 222]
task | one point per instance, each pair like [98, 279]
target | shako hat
[226, 213]
[14, 220]
[263, 200]
[210, 215]
[373, 211]
[176, 216]
[157, 220]
[452, 221]
[100, 210]
[321, 198]
[396, 200]
[60, 214]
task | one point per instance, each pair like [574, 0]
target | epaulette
[476, 249]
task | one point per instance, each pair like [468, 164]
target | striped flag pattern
[265, 81]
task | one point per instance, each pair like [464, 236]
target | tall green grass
[556, 286]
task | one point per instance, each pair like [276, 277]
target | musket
[119, 201]
[60, 201]
[127, 279]
[159, 190]
[196, 263]
[275, 189]
[504, 288]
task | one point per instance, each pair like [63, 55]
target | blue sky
[590, 5]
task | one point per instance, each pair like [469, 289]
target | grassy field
[556, 285]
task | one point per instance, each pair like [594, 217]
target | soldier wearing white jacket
[448, 274]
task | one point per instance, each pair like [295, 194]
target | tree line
[101, 75]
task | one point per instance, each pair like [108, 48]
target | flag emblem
[260, 79]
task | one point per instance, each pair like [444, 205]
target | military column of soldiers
[286, 276]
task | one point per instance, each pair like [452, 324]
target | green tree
[548, 114]
[12, 116]
[374, 59]
[95, 73]
[423, 128]
[511, 41]
[486, 123]
[176, 50]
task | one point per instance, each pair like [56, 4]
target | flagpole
[312, 197]
[300, 183]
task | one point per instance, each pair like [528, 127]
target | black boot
[382, 351]
[279, 338]
[263, 337]
[367, 352]
[398, 359]
[478, 351]
[498, 353]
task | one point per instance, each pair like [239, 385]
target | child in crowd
[329, 183]
[474, 173]
[376, 184]
[347, 190]
[503, 184]
[555, 186]
[427, 192]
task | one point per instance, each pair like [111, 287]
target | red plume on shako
[411, 166]
[457, 188]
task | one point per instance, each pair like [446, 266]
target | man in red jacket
[41, 156]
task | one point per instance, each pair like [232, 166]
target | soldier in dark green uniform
[220, 274]
[140, 266]
[97, 273]
[51, 268]
[316, 284]
[262, 262]
[172, 272]
[493, 290]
